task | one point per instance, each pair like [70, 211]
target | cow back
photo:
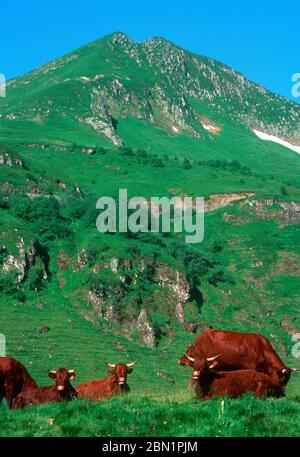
[238, 350]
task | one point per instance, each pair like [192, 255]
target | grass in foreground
[133, 416]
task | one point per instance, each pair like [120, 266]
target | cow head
[185, 360]
[283, 375]
[201, 363]
[62, 378]
[120, 371]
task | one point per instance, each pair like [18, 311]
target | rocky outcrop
[114, 264]
[283, 212]
[114, 292]
[88, 151]
[104, 308]
[174, 281]
[82, 258]
[15, 264]
[145, 329]
[101, 119]
[8, 159]
[21, 263]
[177, 282]
[43, 329]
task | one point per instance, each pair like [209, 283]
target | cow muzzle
[121, 381]
[60, 388]
[196, 375]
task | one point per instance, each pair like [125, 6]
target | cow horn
[112, 365]
[295, 369]
[210, 359]
[191, 359]
[52, 372]
[71, 371]
[129, 365]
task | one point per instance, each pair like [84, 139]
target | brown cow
[14, 378]
[115, 384]
[211, 383]
[62, 391]
[239, 351]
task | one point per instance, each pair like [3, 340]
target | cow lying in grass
[62, 391]
[211, 383]
[14, 378]
[114, 384]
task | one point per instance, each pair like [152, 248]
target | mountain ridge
[152, 39]
[164, 85]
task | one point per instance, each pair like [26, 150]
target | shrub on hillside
[187, 164]
[36, 278]
[3, 254]
[44, 214]
[96, 253]
[217, 246]
[195, 262]
[35, 209]
[76, 208]
[157, 162]
[125, 151]
[10, 286]
[142, 156]
[234, 166]
[219, 277]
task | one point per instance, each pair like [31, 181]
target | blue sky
[258, 38]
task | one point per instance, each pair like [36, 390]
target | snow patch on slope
[276, 139]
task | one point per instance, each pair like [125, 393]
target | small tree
[158, 162]
[283, 190]
[187, 164]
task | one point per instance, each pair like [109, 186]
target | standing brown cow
[62, 391]
[115, 384]
[14, 378]
[211, 383]
[239, 351]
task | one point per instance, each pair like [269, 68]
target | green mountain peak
[154, 81]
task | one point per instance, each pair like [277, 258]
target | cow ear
[52, 374]
[129, 370]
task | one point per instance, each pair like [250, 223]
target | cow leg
[2, 393]
[10, 402]
[18, 403]
[9, 395]
[260, 390]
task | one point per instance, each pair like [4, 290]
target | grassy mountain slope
[119, 114]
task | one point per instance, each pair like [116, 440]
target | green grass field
[134, 416]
